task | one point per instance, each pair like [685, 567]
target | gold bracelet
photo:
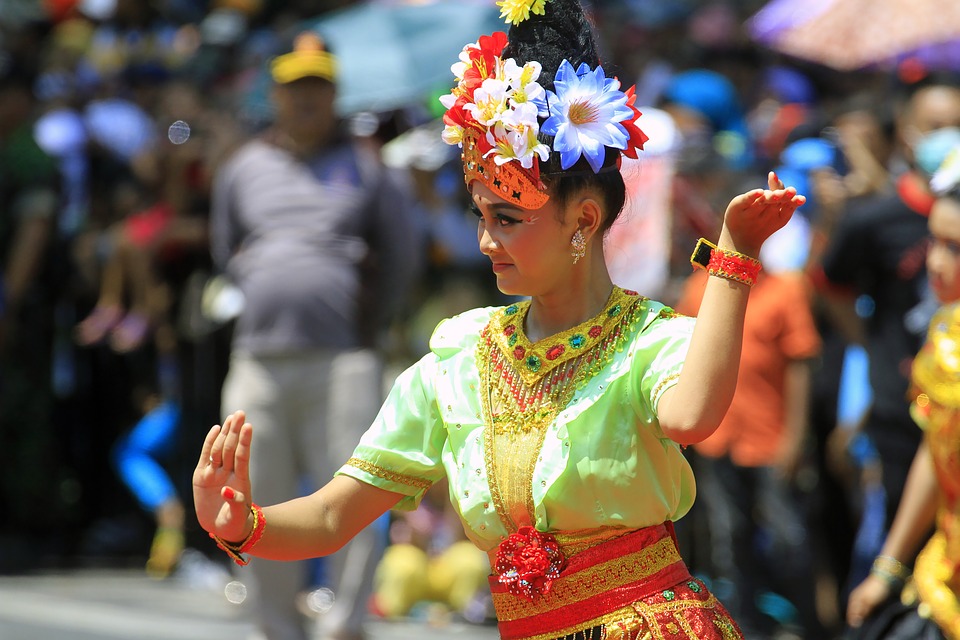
[890, 570]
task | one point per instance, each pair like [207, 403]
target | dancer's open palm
[221, 481]
[754, 216]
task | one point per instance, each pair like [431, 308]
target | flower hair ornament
[498, 111]
[947, 178]
[516, 11]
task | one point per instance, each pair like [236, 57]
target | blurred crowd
[117, 115]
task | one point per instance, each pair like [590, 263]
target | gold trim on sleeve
[660, 385]
[392, 476]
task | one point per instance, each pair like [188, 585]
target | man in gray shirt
[317, 236]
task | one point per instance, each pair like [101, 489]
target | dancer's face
[530, 248]
[943, 259]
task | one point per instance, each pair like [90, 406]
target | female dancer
[557, 422]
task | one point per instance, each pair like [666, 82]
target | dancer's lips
[500, 267]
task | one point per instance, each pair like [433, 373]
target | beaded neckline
[524, 386]
[533, 360]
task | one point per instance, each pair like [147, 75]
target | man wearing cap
[315, 233]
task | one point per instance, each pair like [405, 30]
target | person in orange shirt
[759, 542]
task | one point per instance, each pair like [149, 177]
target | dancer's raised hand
[754, 216]
[221, 481]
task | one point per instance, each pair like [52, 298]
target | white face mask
[932, 148]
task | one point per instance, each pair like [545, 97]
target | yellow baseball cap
[309, 58]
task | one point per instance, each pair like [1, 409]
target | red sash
[595, 582]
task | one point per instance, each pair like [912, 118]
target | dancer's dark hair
[565, 33]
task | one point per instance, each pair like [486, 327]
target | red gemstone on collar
[555, 352]
[519, 352]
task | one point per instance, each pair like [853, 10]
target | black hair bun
[562, 33]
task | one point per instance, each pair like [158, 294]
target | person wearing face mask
[875, 257]
[929, 605]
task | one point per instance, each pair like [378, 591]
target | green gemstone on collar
[668, 595]
[512, 340]
[694, 586]
[533, 363]
[577, 340]
[614, 310]
[511, 310]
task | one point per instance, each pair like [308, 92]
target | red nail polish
[229, 493]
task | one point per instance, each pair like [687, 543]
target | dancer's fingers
[205, 458]
[242, 457]
[230, 446]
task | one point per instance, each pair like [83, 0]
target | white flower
[523, 80]
[448, 100]
[452, 134]
[515, 137]
[489, 102]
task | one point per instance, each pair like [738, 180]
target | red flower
[519, 352]
[637, 137]
[456, 115]
[483, 60]
[509, 330]
[528, 561]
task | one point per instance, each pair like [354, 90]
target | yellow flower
[516, 11]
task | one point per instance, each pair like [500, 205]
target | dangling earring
[579, 244]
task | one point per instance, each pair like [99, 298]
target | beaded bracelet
[236, 551]
[724, 263]
[890, 570]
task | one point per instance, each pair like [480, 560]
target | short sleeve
[659, 351]
[401, 451]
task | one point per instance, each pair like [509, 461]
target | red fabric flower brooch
[528, 561]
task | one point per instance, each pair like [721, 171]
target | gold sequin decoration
[663, 383]
[506, 330]
[936, 369]
[933, 573]
[621, 624]
[572, 542]
[380, 472]
[525, 386]
[649, 612]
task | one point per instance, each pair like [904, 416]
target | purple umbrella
[852, 34]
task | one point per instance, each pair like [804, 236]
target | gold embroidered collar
[533, 360]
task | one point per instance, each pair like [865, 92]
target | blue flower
[586, 113]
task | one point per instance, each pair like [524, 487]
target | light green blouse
[604, 461]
